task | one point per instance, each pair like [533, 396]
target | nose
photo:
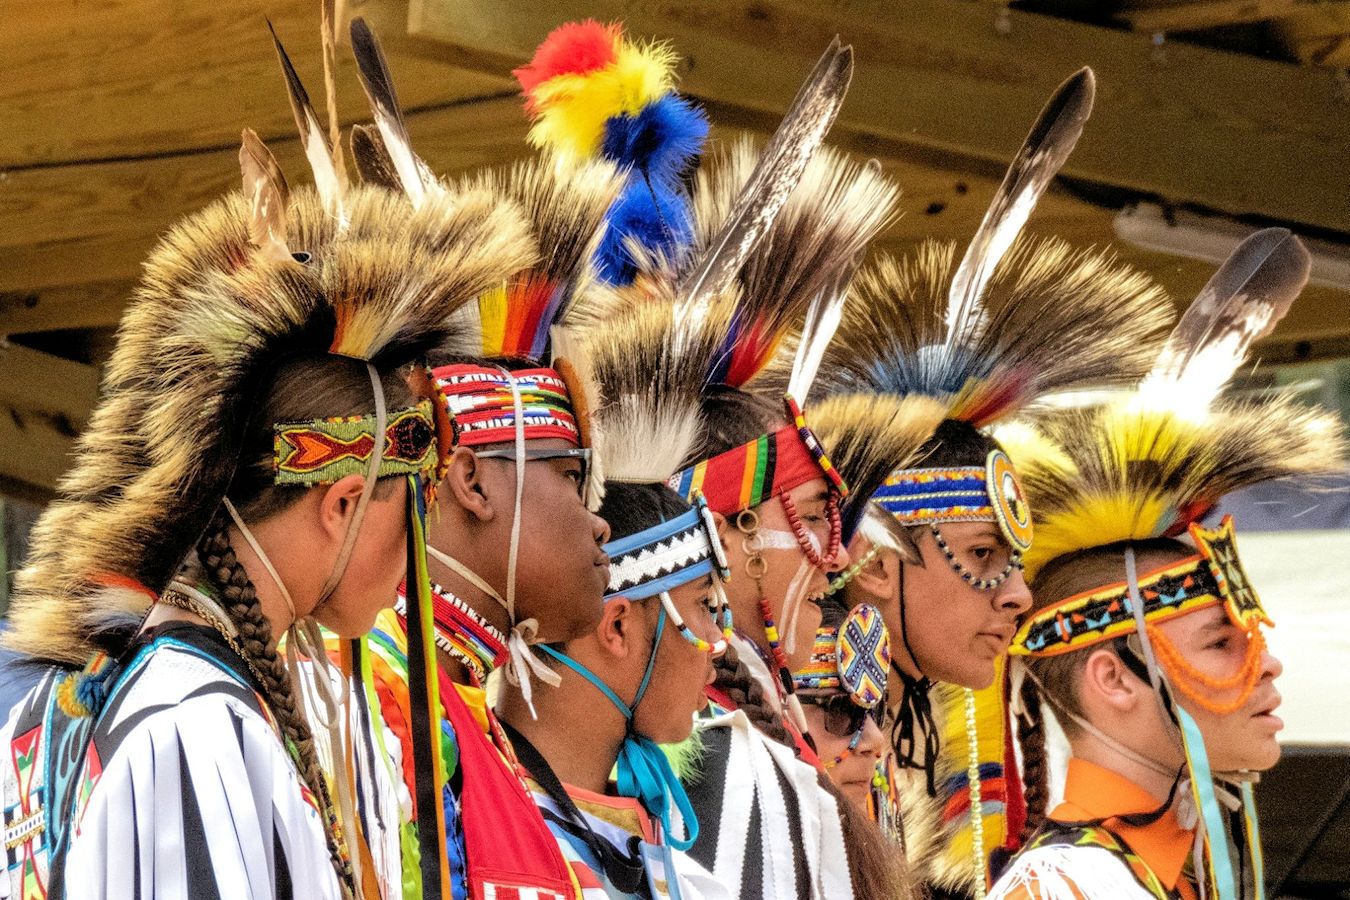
[872, 740]
[1271, 667]
[1013, 594]
[599, 529]
[841, 561]
[706, 628]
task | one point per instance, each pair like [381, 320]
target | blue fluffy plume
[656, 218]
[659, 142]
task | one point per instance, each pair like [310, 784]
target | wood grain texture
[1238, 135]
[125, 79]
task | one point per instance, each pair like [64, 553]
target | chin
[976, 675]
[856, 793]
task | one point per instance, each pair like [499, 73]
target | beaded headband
[772, 464]
[853, 657]
[667, 555]
[327, 450]
[482, 405]
[988, 493]
[1213, 576]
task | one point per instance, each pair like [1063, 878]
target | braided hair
[239, 599]
[735, 681]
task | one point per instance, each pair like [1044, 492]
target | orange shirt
[1092, 792]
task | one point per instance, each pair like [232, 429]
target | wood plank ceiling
[119, 116]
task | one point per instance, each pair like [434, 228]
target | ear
[1106, 680]
[463, 481]
[618, 627]
[881, 577]
[723, 526]
[338, 505]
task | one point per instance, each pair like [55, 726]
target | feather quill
[780, 167]
[328, 29]
[1040, 157]
[265, 188]
[1242, 303]
[414, 174]
[321, 156]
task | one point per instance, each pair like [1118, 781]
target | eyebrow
[1215, 623]
[820, 497]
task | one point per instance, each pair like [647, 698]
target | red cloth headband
[483, 407]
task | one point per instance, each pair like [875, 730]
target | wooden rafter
[1209, 128]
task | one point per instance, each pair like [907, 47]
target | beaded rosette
[853, 657]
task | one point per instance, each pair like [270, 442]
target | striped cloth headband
[772, 464]
[483, 406]
[988, 493]
[1213, 576]
[327, 450]
[666, 555]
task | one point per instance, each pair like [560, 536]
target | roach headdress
[229, 294]
[1013, 320]
[1151, 465]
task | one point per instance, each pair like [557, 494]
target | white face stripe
[773, 539]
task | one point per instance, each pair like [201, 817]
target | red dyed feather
[571, 49]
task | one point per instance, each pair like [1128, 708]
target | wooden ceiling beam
[126, 79]
[77, 225]
[45, 401]
[1229, 133]
[1199, 14]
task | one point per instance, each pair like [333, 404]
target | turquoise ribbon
[644, 772]
[1202, 783]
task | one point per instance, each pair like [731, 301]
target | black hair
[956, 443]
[630, 508]
[734, 418]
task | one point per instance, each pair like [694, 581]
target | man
[1147, 645]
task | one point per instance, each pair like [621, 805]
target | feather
[1124, 472]
[570, 111]
[415, 176]
[803, 264]
[822, 320]
[1242, 303]
[1056, 319]
[780, 167]
[646, 223]
[322, 159]
[659, 142]
[576, 367]
[265, 188]
[191, 356]
[573, 48]
[372, 160]
[328, 30]
[565, 203]
[1040, 157]
[651, 365]
[827, 309]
